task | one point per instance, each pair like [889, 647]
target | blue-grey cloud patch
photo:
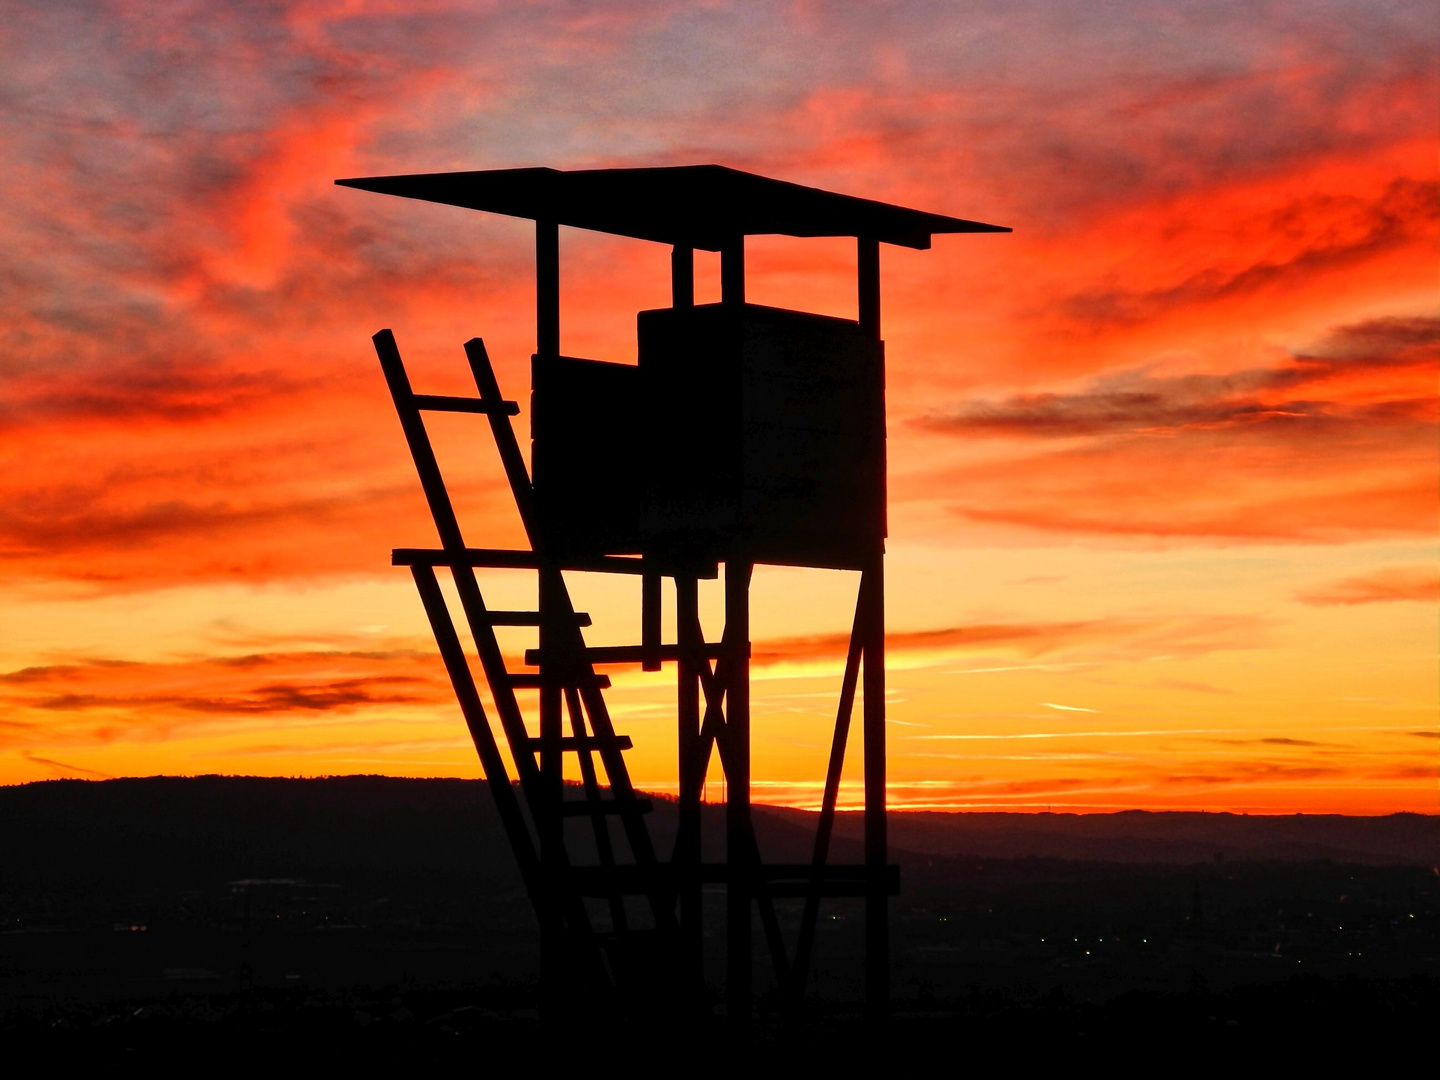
[1139, 402]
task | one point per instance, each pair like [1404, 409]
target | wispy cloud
[1118, 636]
[1385, 585]
[62, 769]
[1254, 400]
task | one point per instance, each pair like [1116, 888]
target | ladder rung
[448, 403]
[633, 654]
[584, 808]
[514, 559]
[588, 742]
[526, 618]
[525, 681]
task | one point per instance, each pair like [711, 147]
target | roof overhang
[700, 206]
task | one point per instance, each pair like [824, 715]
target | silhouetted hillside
[166, 829]
[164, 910]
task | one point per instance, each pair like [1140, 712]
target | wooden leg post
[549, 823]
[687, 618]
[738, 838]
[877, 916]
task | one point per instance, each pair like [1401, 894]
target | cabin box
[764, 436]
[746, 432]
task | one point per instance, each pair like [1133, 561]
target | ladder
[568, 684]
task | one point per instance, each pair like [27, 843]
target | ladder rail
[569, 642]
[453, 544]
[568, 905]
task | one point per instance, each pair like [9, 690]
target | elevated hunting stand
[744, 435]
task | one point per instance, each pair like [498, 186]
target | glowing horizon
[1164, 464]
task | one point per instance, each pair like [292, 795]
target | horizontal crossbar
[631, 654]
[585, 742]
[524, 681]
[514, 559]
[447, 403]
[527, 618]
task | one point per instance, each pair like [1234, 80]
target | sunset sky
[1164, 465]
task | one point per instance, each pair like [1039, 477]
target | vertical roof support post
[872, 629]
[867, 274]
[547, 289]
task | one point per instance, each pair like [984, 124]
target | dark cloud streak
[1138, 402]
[271, 698]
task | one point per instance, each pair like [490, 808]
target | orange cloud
[1381, 586]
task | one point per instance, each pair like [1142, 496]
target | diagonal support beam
[496, 777]
[825, 826]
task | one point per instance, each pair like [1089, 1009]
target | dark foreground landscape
[365, 917]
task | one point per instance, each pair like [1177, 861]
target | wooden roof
[701, 206]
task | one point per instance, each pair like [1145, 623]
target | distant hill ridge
[168, 826]
[1142, 836]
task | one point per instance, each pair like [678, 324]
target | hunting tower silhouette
[745, 435]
